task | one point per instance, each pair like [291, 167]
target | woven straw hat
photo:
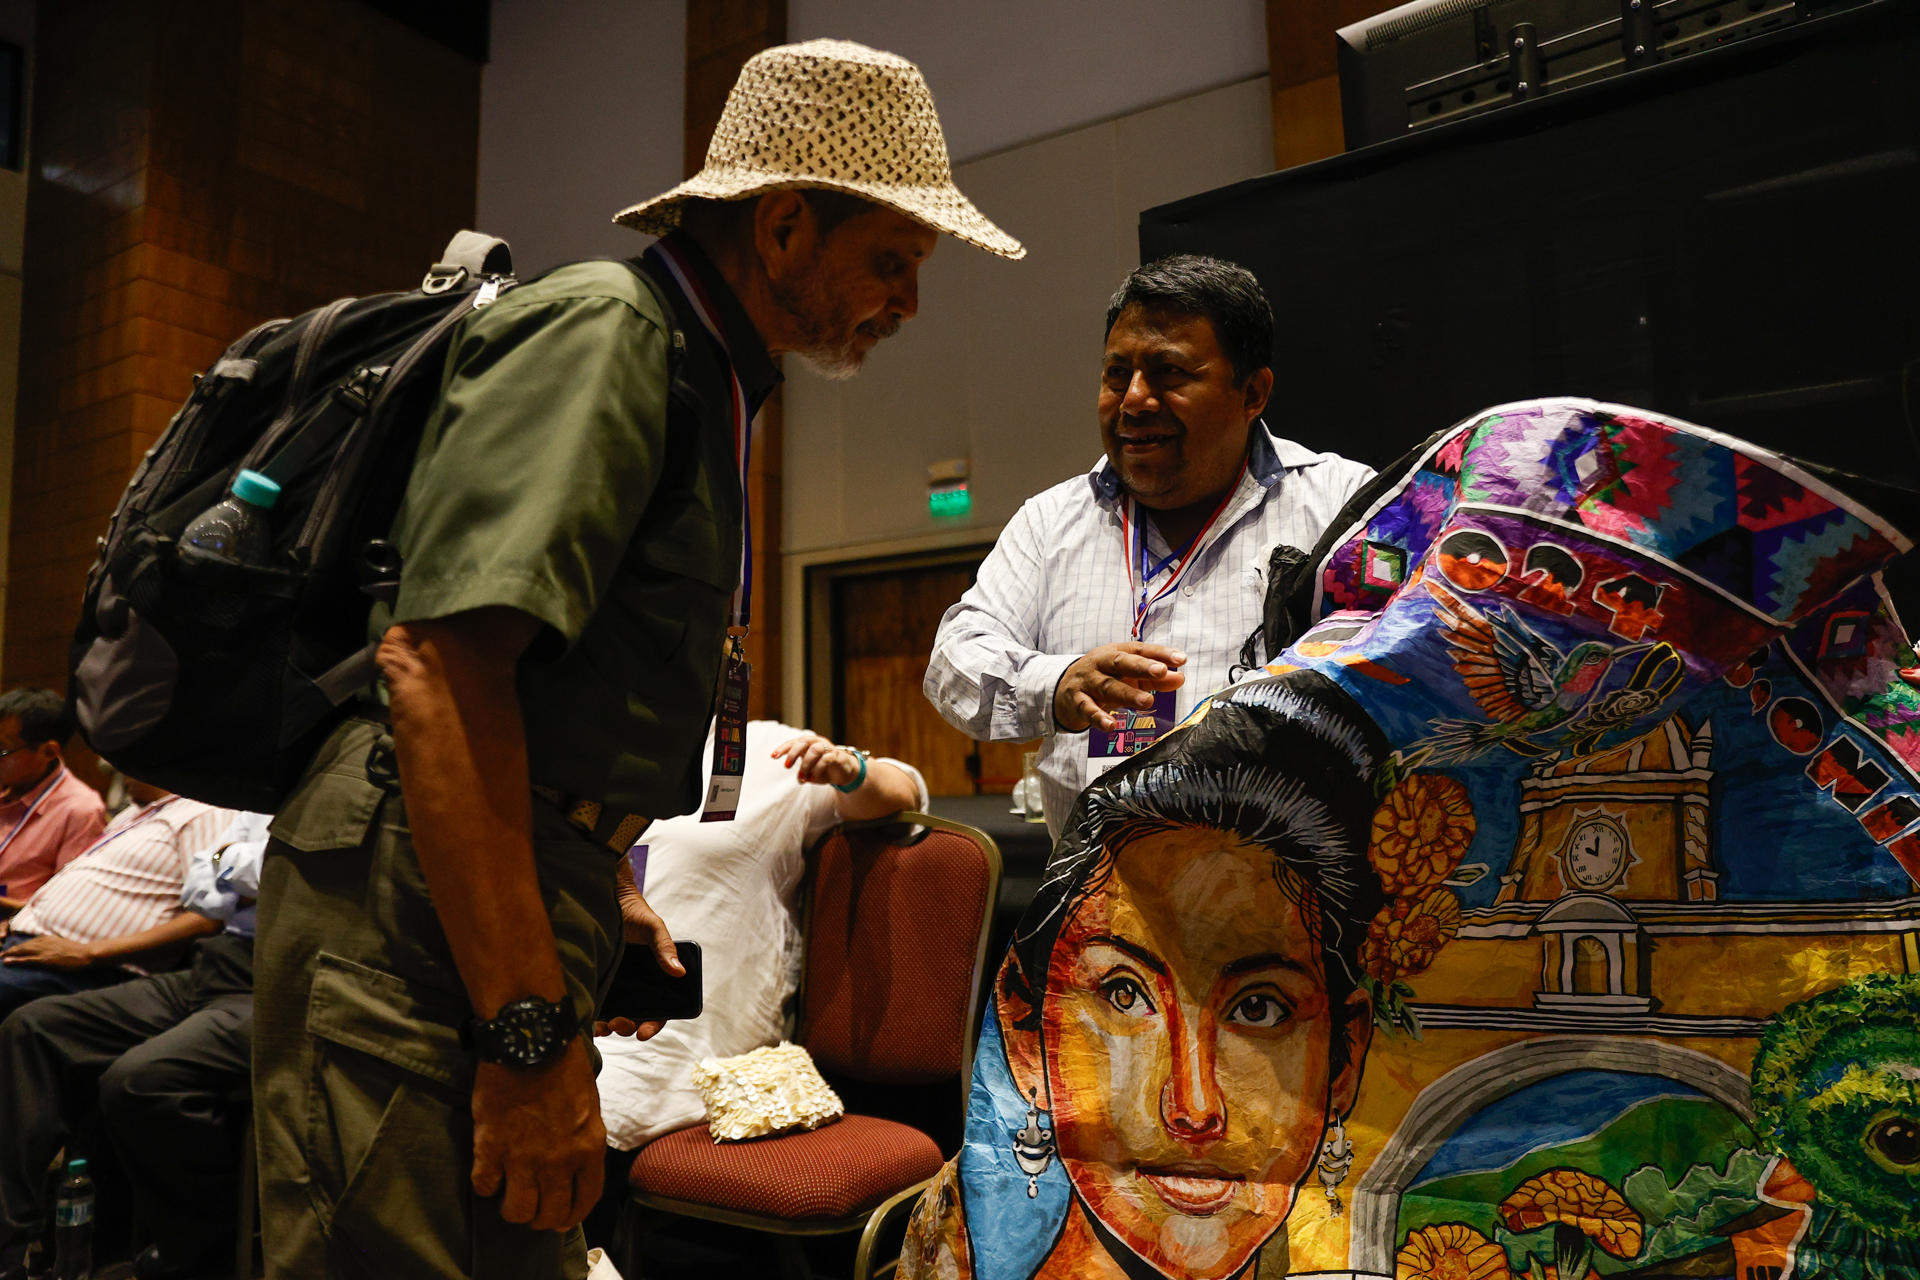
[831, 113]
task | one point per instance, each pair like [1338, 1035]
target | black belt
[615, 828]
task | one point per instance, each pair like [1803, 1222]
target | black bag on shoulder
[218, 681]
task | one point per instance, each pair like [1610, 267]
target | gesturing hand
[538, 1140]
[819, 760]
[1114, 676]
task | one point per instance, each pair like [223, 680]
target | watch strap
[527, 1032]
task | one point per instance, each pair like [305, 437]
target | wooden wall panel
[886, 623]
[201, 167]
[721, 36]
[1302, 66]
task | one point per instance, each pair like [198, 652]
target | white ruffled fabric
[769, 1090]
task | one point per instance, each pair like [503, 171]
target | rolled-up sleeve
[985, 676]
[224, 874]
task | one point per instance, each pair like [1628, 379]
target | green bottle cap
[76, 1166]
[251, 486]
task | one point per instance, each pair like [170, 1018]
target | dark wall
[1727, 239]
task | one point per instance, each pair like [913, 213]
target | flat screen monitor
[1729, 239]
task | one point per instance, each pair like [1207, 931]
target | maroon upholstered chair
[896, 936]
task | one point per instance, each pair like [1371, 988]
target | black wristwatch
[527, 1032]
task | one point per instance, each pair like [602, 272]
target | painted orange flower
[1420, 831]
[1585, 1212]
[1404, 938]
[1450, 1251]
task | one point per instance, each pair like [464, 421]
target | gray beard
[835, 364]
[803, 300]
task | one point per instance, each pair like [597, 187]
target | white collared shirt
[1056, 585]
[223, 878]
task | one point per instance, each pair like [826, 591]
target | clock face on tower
[1595, 853]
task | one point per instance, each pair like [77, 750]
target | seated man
[730, 886]
[114, 905]
[162, 1057]
[47, 815]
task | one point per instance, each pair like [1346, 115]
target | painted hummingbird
[1518, 677]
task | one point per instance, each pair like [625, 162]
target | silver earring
[1033, 1146]
[1336, 1157]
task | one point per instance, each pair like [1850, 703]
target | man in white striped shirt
[114, 905]
[152, 1063]
[1147, 574]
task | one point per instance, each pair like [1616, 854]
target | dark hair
[726, 218]
[831, 207]
[1285, 763]
[42, 714]
[1226, 293]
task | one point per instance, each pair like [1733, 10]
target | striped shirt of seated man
[114, 907]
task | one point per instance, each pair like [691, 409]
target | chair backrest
[896, 928]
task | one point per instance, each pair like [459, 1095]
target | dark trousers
[363, 1093]
[20, 983]
[165, 1060]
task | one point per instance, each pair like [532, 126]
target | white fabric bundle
[769, 1090]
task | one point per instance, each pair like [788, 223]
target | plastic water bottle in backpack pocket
[235, 533]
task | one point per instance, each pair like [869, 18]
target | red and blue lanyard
[670, 261]
[1133, 531]
[730, 723]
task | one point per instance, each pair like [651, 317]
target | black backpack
[219, 681]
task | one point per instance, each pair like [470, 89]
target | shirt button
[1187, 590]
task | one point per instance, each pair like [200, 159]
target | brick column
[200, 167]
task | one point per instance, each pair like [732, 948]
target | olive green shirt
[553, 478]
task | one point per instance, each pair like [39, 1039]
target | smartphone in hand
[645, 992]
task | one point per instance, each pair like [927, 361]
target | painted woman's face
[1188, 1036]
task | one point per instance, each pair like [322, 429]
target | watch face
[1595, 853]
[525, 1033]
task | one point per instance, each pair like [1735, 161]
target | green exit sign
[949, 502]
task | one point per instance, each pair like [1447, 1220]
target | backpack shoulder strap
[639, 268]
[1287, 611]
[680, 390]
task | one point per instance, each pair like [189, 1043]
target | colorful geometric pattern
[1408, 520]
[1732, 517]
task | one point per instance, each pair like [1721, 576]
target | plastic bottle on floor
[73, 1225]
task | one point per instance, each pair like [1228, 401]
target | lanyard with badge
[1137, 730]
[730, 721]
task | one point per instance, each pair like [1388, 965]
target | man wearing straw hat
[444, 895]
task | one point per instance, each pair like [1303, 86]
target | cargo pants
[362, 1092]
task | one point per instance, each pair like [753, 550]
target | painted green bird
[1836, 1092]
[1519, 678]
